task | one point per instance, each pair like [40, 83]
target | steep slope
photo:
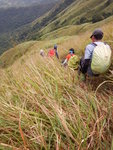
[68, 13]
[13, 18]
[44, 106]
[39, 24]
[78, 39]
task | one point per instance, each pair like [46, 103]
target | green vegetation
[77, 38]
[5, 43]
[44, 106]
[15, 17]
[65, 14]
[8, 58]
[46, 109]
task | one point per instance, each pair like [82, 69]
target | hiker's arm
[65, 62]
[85, 62]
[57, 54]
[88, 52]
[85, 65]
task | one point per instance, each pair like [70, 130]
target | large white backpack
[101, 58]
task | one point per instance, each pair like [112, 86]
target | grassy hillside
[75, 30]
[76, 36]
[68, 13]
[44, 106]
[13, 18]
[63, 16]
[10, 56]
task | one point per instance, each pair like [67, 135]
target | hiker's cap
[97, 32]
[71, 50]
[41, 51]
[55, 46]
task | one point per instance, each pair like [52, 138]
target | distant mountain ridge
[61, 18]
[68, 12]
[12, 16]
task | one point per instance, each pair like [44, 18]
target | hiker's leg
[81, 74]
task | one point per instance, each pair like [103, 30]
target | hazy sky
[9, 3]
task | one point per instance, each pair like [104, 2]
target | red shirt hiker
[51, 53]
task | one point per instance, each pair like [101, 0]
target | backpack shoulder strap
[94, 44]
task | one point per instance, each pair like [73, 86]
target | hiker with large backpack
[97, 57]
[70, 54]
[71, 60]
[53, 52]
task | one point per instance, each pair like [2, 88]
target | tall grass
[43, 106]
[46, 108]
